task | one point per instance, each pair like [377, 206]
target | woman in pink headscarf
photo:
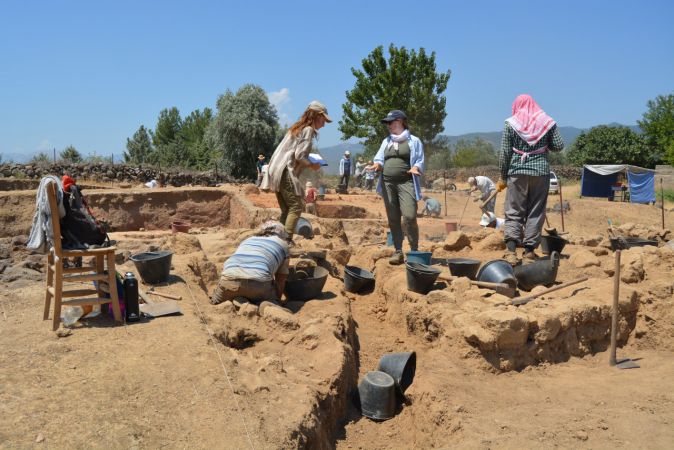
[529, 134]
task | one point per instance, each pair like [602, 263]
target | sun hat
[394, 115]
[274, 227]
[487, 218]
[320, 107]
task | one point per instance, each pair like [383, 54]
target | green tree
[245, 125]
[474, 152]
[192, 133]
[169, 148]
[408, 81]
[40, 158]
[658, 127]
[139, 147]
[438, 153]
[70, 155]
[611, 145]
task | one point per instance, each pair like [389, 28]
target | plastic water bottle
[131, 297]
[70, 315]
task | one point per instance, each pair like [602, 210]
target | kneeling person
[258, 269]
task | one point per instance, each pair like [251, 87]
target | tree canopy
[70, 155]
[138, 148]
[611, 145]
[475, 152]
[408, 81]
[658, 126]
[245, 125]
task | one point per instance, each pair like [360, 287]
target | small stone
[39, 438]
[581, 435]
[63, 332]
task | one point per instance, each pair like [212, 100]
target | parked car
[554, 184]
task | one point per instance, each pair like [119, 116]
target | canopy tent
[598, 181]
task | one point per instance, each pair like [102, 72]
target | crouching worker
[432, 207]
[258, 269]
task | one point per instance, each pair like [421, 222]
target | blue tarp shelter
[598, 180]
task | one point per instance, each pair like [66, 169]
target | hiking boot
[511, 258]
[529, 257]
[397, 258]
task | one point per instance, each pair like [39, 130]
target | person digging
[258, 269]
[528, 135]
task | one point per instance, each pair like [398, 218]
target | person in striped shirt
[258, 269]
[528, 135]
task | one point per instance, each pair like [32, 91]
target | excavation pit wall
[573, 322]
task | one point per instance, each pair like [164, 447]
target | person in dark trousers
[345, 169]
[401, 157]
[528, 135]
[261, 162]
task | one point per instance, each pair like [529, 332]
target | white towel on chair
[41, 236]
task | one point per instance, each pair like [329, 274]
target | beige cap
[309, 184]
[320, 107]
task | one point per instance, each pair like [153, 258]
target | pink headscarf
[529, 120]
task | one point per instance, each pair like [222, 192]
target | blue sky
[89, 74]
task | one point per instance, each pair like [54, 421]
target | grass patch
[668, 194]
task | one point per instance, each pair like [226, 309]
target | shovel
[153, 309]
[500, 288]
[484, 203]
[529, 298]
[623, 363]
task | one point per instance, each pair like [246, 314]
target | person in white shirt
[486, 187]
[489, 220]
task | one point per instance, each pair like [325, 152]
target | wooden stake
[614, 315]
[662, 206]
[444, 182]
[561, 201]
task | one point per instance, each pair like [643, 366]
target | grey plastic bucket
[497, 271]
[303, 228]
[420, 277]
[463, 267]
[419, 257]
[357, 280]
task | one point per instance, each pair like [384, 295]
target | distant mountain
[334, 153]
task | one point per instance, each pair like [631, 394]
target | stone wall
[114, 172]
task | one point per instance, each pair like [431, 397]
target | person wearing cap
[258, 269]
[360, 169]
[288, 162]
[528, 135]
[310, 198]
[401, 160]
[261, 162]
[486, 188]
[432, 207]
[489, 220]
[345, 169]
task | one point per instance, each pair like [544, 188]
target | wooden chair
[57, 274]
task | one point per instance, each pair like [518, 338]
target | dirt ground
[234, 376]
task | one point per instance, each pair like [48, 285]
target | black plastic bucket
[358, 280]
[463, 267]
[551, 244]
[153, 267]
[377, 396]
[401, 366]
[305, 284]
[420, 277]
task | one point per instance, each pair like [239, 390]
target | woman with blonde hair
[289, 160]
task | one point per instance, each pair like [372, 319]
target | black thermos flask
[131, 297]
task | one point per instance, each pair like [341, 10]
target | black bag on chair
[79, 227]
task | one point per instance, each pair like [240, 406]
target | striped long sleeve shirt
[511, 163]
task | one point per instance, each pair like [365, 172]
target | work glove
[501, 185]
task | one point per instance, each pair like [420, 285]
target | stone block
[456, 240]
[279, 316]
[584, 258]
[510, 326]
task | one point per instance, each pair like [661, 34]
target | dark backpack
[79, 227]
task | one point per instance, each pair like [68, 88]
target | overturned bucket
[421, 277]
[401, 366]
[303, 228]
[377, 396]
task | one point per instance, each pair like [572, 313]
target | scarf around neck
[529, 121]
[395, 139]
